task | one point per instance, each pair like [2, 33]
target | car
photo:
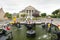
[5, 33]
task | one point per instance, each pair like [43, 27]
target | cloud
[42, 5]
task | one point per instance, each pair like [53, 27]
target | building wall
[29, 10]
[2, 14]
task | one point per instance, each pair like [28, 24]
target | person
[49, 27]
[4, 30]
[18, 25]
[8, 28]
[59, 27]
[44, 26]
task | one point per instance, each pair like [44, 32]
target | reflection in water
[21, 34]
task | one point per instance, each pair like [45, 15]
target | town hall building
[29, 10]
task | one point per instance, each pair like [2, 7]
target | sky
[44, 6]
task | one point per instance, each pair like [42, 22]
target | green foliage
[8, 15]
[55, 12]
[54, 16]
[36, 18]
[58, 16]
[43, 15]
[17, 15]
[23, 15]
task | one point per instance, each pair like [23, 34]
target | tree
[54, 16]
[23, 15]
[43, 14]
[55, 12]
[35, 14]
[58, 15]
[17, 15]
[8, 15]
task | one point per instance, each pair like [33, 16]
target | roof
[1, 14]
[30, 8]
[1, 10]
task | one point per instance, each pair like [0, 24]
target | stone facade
[29, 10]
[1, 14]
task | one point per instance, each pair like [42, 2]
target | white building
[29, 10]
